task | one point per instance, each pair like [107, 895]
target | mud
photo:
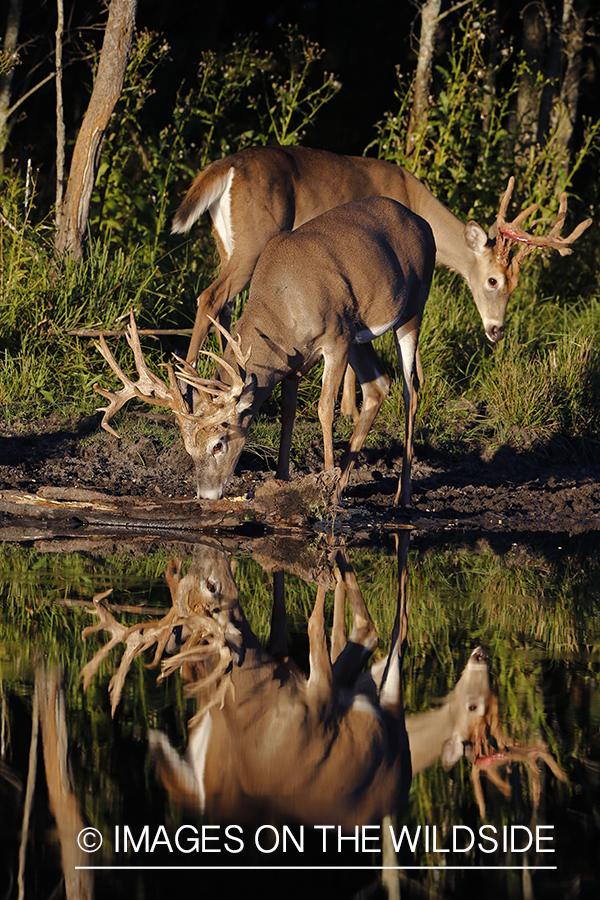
[508, 491]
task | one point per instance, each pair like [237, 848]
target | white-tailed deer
[268, 741]
[257, 193]
[323, 291]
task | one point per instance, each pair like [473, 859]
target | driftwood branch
[96, 333]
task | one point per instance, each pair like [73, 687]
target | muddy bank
[507, 491]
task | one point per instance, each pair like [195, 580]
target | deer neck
[427, 733]
[268, 368]
[448, 231]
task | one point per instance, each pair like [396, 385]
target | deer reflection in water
[272, 743]
[269, 740]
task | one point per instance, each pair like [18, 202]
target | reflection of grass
[539, 617]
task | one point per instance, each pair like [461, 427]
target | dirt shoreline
[508, 492]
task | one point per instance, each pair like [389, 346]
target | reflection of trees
[526, 607]
[49, 713]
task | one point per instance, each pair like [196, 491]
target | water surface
[534, 607]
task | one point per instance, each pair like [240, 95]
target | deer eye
[492, 282]
[211, 586]
[472, 707]
[217, 448]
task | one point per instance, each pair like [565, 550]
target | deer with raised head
[257, 193]
[323, 291]
[270, 741]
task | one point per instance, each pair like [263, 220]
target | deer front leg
[320, 681]
[289, 404]
[407, 338]
[375, 384]
[390, 691]
[338, 632]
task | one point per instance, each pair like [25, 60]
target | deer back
[344, 277]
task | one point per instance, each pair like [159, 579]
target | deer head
[494, 274]
[213, 425]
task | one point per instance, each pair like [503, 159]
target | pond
[309, 799]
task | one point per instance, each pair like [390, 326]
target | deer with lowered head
[323, 291]
[270, 741]
[261, 191]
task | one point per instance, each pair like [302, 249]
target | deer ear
[246, 398]
[235, 642]
[475, 237]
[452, 750]
[175, 772]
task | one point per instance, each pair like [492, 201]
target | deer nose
[481, 655]
[495, 333]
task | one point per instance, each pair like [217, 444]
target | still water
[305, 786]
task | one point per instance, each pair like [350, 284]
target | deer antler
[203, 638]
[509, 233]
[148, 386]
[488, 757]
[137, 640]
[188, 374]
[152, 389]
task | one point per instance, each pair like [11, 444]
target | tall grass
[536, 388]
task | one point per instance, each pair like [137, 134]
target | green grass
[536, 388]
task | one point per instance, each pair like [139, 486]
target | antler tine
[501, 229]
[509, 233]
[556, 229]
[234, 343]
[218, 389]
[116, 399]
[238, 382]
[505, 200]
[148, 386]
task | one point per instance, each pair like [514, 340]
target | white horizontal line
[299, 868]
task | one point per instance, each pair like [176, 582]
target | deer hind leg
[349, 658]
[233, 278]
[407, 337]
[375, 384]
[348, 407]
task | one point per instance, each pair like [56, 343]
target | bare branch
[60, 120]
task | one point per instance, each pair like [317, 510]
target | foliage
[473, 139]
[473, 391]
[243, 96]
[131, 263]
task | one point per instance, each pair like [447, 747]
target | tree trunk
[430, 13]
[536, 29]
[60, 119]
[61, 794]
[11, 37]
[555, 50]
[564, 114]
[73, 216]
